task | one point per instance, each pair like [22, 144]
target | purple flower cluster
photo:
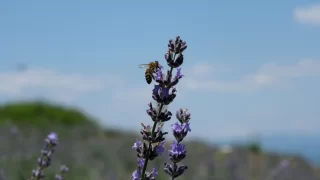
[164, 93]
[177, 152]
[44, 160]
[136, 175]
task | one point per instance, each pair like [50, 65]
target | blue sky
[250, 66]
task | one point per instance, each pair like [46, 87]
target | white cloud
[268, 75]
[207, 69]
[49, 83]
[308, 14]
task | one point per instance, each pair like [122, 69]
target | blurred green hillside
[41, 114]
[93, 153]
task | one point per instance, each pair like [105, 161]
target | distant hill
[94, 153]
[42, 113]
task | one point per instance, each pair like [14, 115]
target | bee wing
[143, 65]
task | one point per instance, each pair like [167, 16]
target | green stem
[149, 147]
[174, 164]
[152, 134]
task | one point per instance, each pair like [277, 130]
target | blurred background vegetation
[93, 153]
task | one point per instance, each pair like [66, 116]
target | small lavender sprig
[63, 170]
[44, 160]
[163, 93]
[177, 152]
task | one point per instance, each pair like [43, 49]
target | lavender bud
[174, 171]
[152, 112]
[52, 139]
[183, 116]
[153, 174]
[136, 175]
[178, 46]
[140, 162]
[141, 148]
[171, 45]
[162, 94]
[177, 152]
[164, 116]
[177, 78]
[174, 62]
[180, 131]
[156, 150]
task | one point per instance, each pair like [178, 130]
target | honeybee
[150, 69]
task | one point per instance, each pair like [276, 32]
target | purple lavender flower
[166, 80]
[180, 130]
[140, 162]
[163, 95]
[154, 173]
[142, 150]
[177, 152]
[179, 75]
[136, 175]
[137, 144]
[160, 148]
[176, 79]
[158, 75]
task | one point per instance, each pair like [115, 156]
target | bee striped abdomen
[148, 75]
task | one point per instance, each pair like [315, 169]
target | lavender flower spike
[164, 92]
[44, 160]
[180, 131]
[177, 152]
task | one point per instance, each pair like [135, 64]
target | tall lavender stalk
[153, 137]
